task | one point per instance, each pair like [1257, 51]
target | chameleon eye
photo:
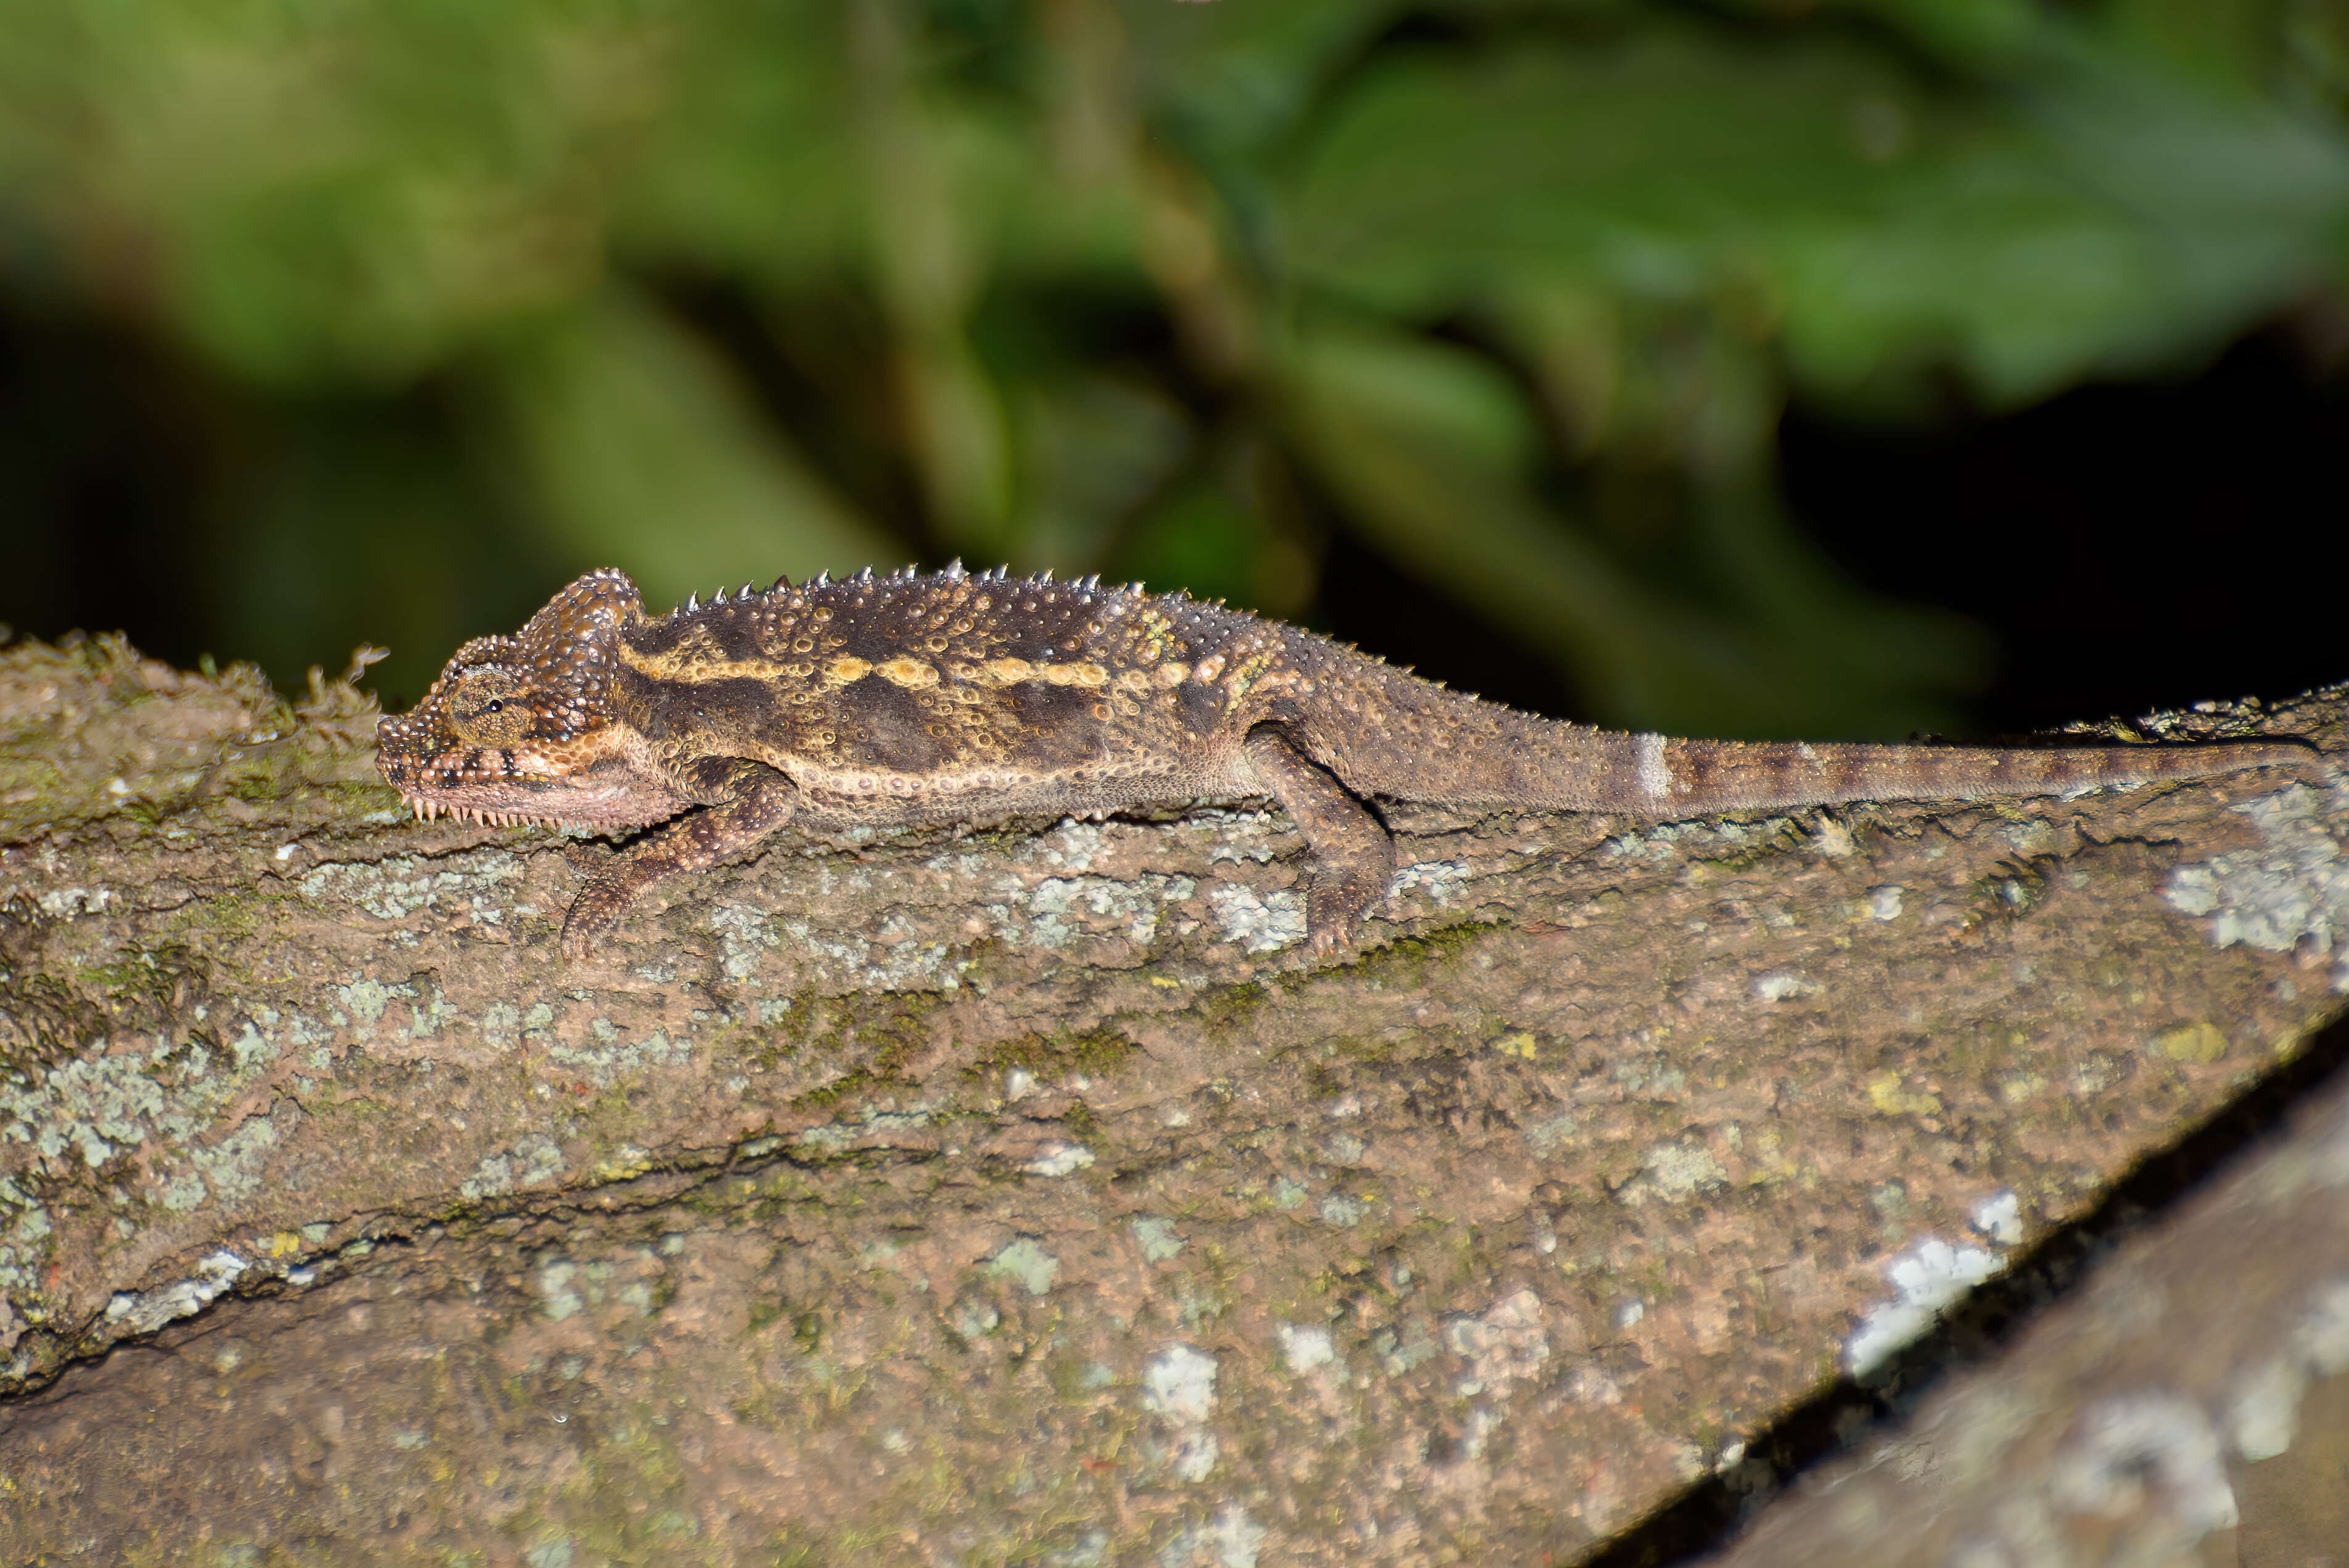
[480, 710]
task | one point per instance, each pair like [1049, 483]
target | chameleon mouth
[596, 816]
[427, 809]
[524, 788]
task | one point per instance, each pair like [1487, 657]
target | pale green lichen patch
[1075, 846]
[535, 1161]
[1662, 844]
[182, 1193]
[1060, 1159]
[88, 1106]
[25, 1243]
[98, 1106]
[1545, 1136]
[1343, 1211]
[566, 1288]
[501, 1024]
[743, 935]
[1403, 1350]
[1157, 1238]
[1230, 1538]
[553, 1282]
[1024, 1261]
[164, 1102]
[1439, 882]
[625, 1163]
[432, 1011]
[974, 1319]
[611, 1057]
[1305, 1346]
[233, 1166]
[395, 888]
[865, 1127]
[1258, 922]
[857, 963]
[1506, 1343]
[1059, 910]
[67, 903]
[1179, 1385]
[250, 1049]
[1050, 888]
[1674, 1171]
[365, 1000]
[2292, 890]
[1027, 891]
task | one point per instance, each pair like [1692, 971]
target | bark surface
[1025, 1196]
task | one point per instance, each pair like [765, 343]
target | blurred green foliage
[1509, 292]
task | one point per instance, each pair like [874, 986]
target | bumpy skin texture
[966, 700]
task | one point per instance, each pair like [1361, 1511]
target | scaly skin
[963, 699]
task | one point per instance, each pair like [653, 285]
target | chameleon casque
[966, 700]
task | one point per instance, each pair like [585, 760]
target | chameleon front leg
[745, 801]
[1350, 855]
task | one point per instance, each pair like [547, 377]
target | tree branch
[1023, 1192]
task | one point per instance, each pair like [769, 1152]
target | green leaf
[320, 194]
[639, 452]
[2109, 228]
[1647, 163]
[2088, 218]
[1440, 485]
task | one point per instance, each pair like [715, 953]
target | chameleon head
[520, 728]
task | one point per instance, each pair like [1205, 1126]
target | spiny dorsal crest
[599, 589]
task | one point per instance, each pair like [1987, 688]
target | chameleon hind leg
[1351, 855]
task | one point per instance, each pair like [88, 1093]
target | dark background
[1824, 369]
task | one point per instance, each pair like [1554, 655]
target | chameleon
[973, 698]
